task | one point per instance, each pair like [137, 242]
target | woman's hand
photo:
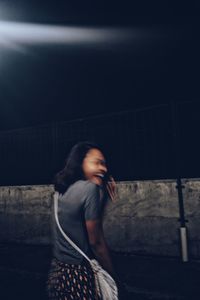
[111, 188]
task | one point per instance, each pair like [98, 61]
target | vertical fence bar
[179, 186]
[54, 136]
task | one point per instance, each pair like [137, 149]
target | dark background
[45, 84]
[59, 82]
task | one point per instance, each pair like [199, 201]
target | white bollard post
[184, 245]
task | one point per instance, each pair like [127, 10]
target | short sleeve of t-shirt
[92, 204]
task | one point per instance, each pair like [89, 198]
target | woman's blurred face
[94, 166]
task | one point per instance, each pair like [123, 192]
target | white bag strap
[56, 196]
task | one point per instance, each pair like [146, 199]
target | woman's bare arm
[98, 245]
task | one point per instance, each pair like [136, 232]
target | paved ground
[23, 271]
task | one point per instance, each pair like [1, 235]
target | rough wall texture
[144, 218]
[25, 213]
[145, 215]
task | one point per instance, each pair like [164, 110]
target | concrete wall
[144, 218]
[25, 213]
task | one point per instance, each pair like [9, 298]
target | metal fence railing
[150, 143]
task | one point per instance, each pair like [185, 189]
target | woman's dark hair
[73, 167]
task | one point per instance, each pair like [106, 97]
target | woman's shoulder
[81, 187]
[86, 185]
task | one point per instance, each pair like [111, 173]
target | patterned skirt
[67, 282]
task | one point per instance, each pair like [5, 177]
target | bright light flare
[31, 34]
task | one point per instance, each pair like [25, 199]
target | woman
[83, 186]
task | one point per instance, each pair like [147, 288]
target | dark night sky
[156, 61]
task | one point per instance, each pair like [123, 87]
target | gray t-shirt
[82, 201]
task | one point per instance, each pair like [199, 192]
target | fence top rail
[82, 119]
[95, 117]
